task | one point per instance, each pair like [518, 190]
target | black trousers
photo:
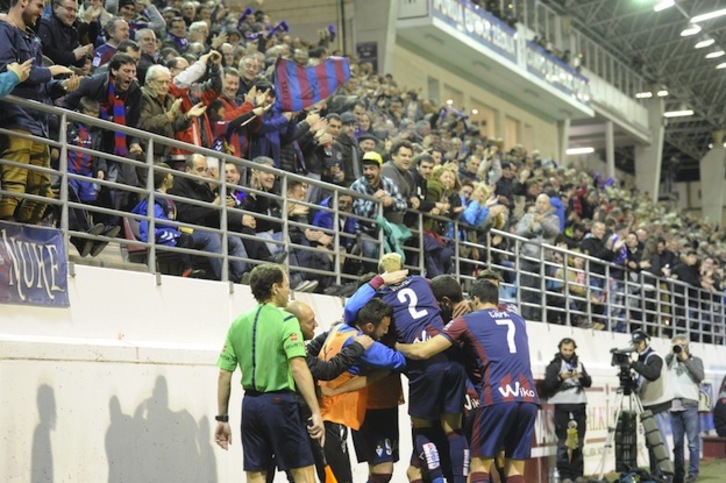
[575, 466]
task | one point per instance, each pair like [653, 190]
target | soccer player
[508, 398]
[437, 385]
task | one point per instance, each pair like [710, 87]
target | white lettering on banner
[508, 391]
[478, 25]
[557, 74]
[33, 265]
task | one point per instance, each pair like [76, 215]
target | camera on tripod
[620, 356]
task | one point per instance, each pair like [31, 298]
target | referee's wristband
[222, 418]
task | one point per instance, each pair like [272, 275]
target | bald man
[320, 369]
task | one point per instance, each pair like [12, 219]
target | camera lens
[677, 349]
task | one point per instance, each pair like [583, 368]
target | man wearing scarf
[120, 99]
[177, 36]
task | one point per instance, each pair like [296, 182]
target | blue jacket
[164, 209]
[8, 81]
[378, 356]
[18, 46]
[559, 207]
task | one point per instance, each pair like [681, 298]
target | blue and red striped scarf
[117, 107]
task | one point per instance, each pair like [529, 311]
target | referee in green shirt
[268, 345]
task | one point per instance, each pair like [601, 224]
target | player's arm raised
[424, 350]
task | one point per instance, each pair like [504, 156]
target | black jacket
[59, 40]
[96, 87]
[552, 382]
[328, 370]
[195, 214]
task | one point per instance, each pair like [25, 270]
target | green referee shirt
[261, 341]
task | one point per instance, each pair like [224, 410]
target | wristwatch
[222, 418]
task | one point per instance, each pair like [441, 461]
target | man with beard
[18, 43]
[120, 98]
[564, 384]
[374, 184]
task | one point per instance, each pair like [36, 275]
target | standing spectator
[18, 44]
[564, 384]
[374, 184]
[508, 398]
[146, 38]
[117, 30]
[653, 388]
[60, 32]
[176, 38]
[346, 139]
[685, 372]
[120, 99]
[271, 423]
[540, 226]
[398, 170]
[159, 113]
[470, 169]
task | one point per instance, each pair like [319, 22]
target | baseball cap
[372, 157]
[348, 118]
[638, 335]
[366, 136]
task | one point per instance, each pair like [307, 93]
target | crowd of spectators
[202, 73]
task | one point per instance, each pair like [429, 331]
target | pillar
[713, 171]
[610, 149]
[563, 140]
[648, 159]
[375, 22]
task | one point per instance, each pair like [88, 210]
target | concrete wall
[121, 387]
[413, 72]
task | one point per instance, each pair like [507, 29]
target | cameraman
[653, 388]
[564, 383]
[685, 373]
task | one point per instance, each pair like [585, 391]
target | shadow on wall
[41, 469]
[157, 444]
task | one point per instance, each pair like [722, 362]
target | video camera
[619, 359]
[620, 356]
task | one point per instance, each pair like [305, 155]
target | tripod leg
[611, 434]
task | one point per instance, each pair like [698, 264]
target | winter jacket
[19, 46]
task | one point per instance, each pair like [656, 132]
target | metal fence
[553, 287]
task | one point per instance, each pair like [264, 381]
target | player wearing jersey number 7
[498, 341]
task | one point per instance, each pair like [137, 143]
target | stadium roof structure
[650, 42]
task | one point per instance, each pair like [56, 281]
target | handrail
[654, 303]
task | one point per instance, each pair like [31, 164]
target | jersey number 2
[511, 330]
[408, 296]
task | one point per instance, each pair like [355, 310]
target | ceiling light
[682, 113]
[643, 95]
[662, 93]
[705, 43]
[573, 151]
[663, 4]
[691, 30]
[722, 65]
[716, 54]
[475, 111]
[450, 102]
[708, 16]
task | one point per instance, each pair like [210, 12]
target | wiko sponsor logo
[508, 391]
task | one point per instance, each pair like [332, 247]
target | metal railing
[545, 287]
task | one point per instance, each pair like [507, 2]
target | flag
[299, 87]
